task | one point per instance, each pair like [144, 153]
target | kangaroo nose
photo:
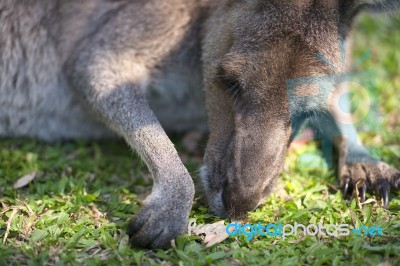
[237, 204]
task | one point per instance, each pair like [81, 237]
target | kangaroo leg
[111, 75]
[122, 105]
[358, 171]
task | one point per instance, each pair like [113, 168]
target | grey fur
[261, 59]
[132, 68]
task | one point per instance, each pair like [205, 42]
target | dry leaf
[216, 233]
[215, 239]
[25, 180]
[386, 263]
[211, 227]
[368, 201]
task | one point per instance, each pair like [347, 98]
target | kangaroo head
[253, 53]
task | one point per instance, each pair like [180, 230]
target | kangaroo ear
[379, 5]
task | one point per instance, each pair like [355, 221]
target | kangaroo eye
[230, 83]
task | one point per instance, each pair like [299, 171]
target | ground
[75, 210]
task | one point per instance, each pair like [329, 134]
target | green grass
[76, 210]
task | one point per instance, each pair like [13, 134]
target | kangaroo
[138, 69]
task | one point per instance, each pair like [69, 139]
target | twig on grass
[14, 212]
